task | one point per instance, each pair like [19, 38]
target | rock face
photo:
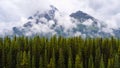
[53, 22]
[89, 26]
[37, 24]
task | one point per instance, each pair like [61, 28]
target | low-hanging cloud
[12, 11]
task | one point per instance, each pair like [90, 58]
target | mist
[15, 12]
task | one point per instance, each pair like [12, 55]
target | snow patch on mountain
[54, 22]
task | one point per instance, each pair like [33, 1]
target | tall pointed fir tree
[110, 63]
[61, 62]
[41, 62]
[91, 63]
[78, 62]
[70, 61]
[102, 63]
[51, 64]
[33, 62]
[116, 61]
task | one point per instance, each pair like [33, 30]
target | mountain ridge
[53, 22]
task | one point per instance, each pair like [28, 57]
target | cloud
[114, 21]
[13, 11]
[107, 11]
[64, 21]
[6, 27]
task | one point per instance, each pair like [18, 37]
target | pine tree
[24, 62]
[33, 62]
[19, 59]
[41, 62]
[70, 59]
[9, 59]
[116, 62]
[110, 63]
[51, 64]
[45, 58]
[61, 63]
[53, 58]
[97, 58]
[29, 60]
[91, 63]
[118, 52]
[78, 63]
[69, 63]
[102, 63]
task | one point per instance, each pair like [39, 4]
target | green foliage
[61, 62]
[91, 64]
[70, 61]
[116, 62]
[51, 64]
[102, 63]
[78, 63]
[59, 52]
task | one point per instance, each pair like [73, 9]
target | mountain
[38, 24]
[90, 26]
[53, 22]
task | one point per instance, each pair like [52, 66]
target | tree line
[59, 52]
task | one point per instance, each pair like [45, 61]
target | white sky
[11, 11]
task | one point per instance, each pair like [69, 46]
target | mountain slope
[53, 22]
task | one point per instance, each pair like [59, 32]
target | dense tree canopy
[59, 52]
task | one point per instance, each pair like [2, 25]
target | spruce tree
[45, 58]
[61, 63]
[102, 63]
[78, 63]
[33, 62]
[51, 64]
[91, 63]
[110, 63]
[41, 62]
[116, 62]
[70, 62]
[24, 62]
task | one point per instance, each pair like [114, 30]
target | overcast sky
[14, 12]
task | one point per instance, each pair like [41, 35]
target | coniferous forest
[59, 52]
